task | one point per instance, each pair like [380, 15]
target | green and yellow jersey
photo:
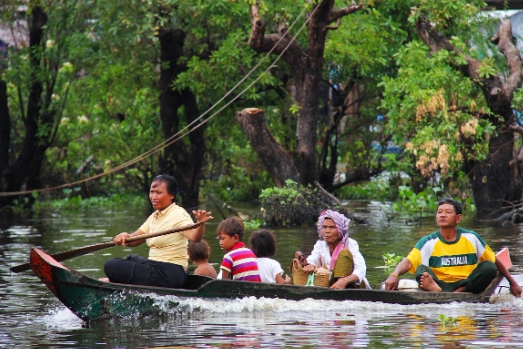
[451, 261]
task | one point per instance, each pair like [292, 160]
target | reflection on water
[30, 316]
[283, 324]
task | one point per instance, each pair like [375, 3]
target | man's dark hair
[232, 226]
[263, 243]
[170, 184]
[457, 205]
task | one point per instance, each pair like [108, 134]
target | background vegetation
[387, 102]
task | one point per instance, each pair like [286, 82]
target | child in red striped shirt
[239, 262]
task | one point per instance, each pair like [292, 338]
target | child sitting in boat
[239, 262]
[199, 253]
[263, 244]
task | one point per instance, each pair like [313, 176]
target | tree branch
[260, 42]
[517, 129]
[334, 15]
[498, 94]
[334, 27]
[329, 195]
[504, 42]
[356, 175]
[438, 42]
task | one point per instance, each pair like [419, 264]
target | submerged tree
[305, 65]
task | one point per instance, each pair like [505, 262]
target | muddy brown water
[31, 317]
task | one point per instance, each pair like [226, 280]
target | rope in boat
[179, 135]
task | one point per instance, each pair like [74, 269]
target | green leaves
[390, 259]
[435, 108]
[487, 69]
[447, 321]
[423, 201]
[293, 205]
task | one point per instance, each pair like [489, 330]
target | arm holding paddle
[195, 234]
[121, 239]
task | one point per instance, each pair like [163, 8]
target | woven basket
[300, 277]
[321, 279]
[344, 265]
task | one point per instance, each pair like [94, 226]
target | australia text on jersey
[450, 261]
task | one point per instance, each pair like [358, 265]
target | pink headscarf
[342, 224]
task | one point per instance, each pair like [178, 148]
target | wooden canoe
[91, 299]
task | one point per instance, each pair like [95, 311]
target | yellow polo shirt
[171, 248]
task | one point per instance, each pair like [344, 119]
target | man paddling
[452, 259]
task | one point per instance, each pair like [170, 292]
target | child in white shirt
[263, 244]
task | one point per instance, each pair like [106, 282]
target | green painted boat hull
[91, 299]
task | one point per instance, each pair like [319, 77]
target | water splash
[179, 305]
[59, 317]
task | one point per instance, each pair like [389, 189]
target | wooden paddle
[61, 256]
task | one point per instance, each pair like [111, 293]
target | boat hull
[92, 299]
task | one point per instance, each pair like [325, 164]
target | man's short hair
[457, 205]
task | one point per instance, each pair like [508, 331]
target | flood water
[30, 316]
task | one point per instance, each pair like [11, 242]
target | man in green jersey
[452, 259]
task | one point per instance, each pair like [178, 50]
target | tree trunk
[496, 181]
[5, 135]
[278, 162]
[306, 66]
[28, 162]
[184, 162]
[493, 184]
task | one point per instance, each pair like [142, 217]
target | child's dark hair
[232, 226]
[263, 243]
[199, 251]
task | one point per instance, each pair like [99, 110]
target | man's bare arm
[392, 281]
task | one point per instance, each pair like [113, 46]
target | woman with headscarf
[339, 252]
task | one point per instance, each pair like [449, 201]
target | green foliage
[76, 202]
[424, 201]
[441, 114]
[391, 260]
[375, 190]
[447, 321]
[448, 16]
[293, 205]
[352, 58]
[426, 101]
[252, 224]
[487, 69]
[356, 65]
[234, 172]
[287, 194]
[105, 58]
[294, 109]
